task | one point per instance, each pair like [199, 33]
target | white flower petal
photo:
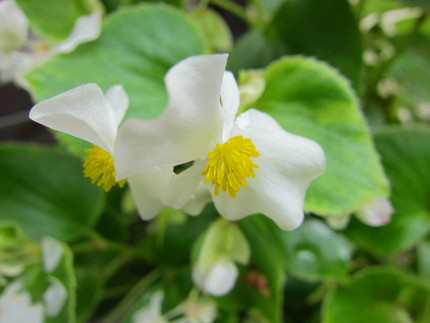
[287, 165]
[183, 186]
[118, 100]
[13, 27]
[16, 306]
[377, 213]
[151, 313]
[82, 112]
[230, 100]
[86, 28]
[55, 297]
[149, 188]
[52, 251]
[188, 128]
[198, 200]
[218, 279]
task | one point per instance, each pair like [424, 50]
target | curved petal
[376, 213]
[287, 165]
[230, 100]
[191, 124]
[82, 112]
[183, 186]
[151, 313]
[118, 100]
[219, 278]
[18, 307]
[198, 200]
[52, 252]
[86, 28]
[55, 297]
[149, 189]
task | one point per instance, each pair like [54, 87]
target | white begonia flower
[376, 213]
[16, 306]
[19, 54]
[13, 27]
[86, 113]
[249, 164]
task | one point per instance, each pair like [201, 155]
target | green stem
[132, 296]
[232, 8]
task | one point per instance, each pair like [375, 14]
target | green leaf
[310, 99]
[44, 191]
[423, 259]
[418, 3]
[136, 48]
[314, 251]
[379, 295]
[405, 155]
[256, 49]
[215, 28]
[53, 19]
[326, 30]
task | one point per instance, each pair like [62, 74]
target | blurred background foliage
[352, 75]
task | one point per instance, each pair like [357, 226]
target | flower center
[100, 168]
[230, 163]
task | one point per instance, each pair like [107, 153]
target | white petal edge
[86, 28]
[230, 100]
[220, 278]
[151, 313]
[189, 127]
[52, 252]
[55, 297]
[149, 188]
[118, 100]
[16, 306]
[287, 165]
[82, 112]
[376, 213]
[13, 27]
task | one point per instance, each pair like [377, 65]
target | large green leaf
[309, 98]
[379, 295]
[44, 191]
[53, 19]
[314, 251]
[136, 48]
[406, 158]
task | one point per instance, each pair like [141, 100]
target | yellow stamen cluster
[99, 167]
[229, 164]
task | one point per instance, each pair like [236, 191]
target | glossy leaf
[378, 295]
[314, 251]
[405, 156]
[54, 19]
[44, 191]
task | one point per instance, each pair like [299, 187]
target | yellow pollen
[100, 168]
[229, 164]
